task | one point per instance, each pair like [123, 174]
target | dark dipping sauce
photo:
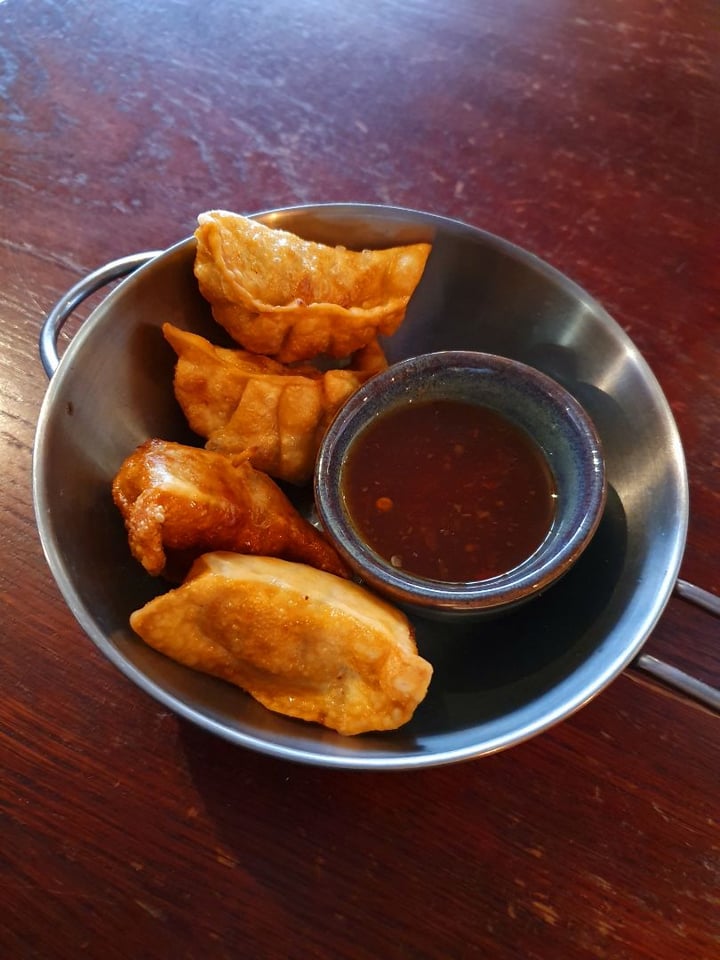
[449, 490]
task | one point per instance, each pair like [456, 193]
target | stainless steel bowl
[496, 683]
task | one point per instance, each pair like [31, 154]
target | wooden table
[587, 132]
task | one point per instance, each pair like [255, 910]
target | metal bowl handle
[74, 297]
[692, 687]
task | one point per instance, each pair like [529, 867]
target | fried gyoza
[242, 402]
[179, 502]
[301, 642]
[282, 296]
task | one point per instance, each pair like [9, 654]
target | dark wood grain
[587, 132]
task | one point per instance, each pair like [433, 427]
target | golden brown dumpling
[242, 402]
[285, 297]
[179, 502]
[302, 642]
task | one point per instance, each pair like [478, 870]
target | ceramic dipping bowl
[557, 427]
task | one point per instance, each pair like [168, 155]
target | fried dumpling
[179, 502]
[292, 299]
[242, 402]
[302, 642]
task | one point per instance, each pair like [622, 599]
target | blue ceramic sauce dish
[459, 484]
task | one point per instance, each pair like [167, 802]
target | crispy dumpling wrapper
[179, 502]
[292, 299]
[278, 414]
[302, 642]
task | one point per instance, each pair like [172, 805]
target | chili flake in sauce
[449, 490]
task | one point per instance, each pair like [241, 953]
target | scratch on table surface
[600, 882]
[604, 928]
[153, 911]
[16, 182]
[225, 859]
[545, 912]
[40, 254]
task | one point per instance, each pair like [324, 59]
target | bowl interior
[494, 684]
